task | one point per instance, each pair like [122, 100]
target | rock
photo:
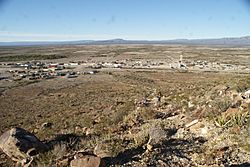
[149, 147]
[35, 130]
[192, 123]
[247, 94]
[247, 101]
[181, 133]
[222, 89]
[20, 144]
[87, 131]
[102, 150]
[173, 117]
[162, 163]
[84, 130]
[87, 161]
[156, 136]
[230, 112]
[46, 125]
[200, 129]
[190, 105]
[236, 103]
[156, 101]
[63, 163]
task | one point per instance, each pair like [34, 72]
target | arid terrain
[131, 105]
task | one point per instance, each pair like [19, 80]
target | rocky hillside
[139, 119]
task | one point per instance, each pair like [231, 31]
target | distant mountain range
[241, 41]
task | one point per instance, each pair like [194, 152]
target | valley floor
[135, 117]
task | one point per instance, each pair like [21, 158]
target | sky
[63, 20]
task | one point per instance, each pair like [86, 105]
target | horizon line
[124, 39]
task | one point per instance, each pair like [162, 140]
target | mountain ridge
[239, 41]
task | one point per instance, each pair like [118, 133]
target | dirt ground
[107, 102]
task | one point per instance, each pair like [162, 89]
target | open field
[133, 101]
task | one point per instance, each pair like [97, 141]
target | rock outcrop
[20, 145]
[86, 161]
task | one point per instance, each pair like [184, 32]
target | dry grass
[239, 118]
[105, 102]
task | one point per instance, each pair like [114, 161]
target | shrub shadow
[163, 151]
[70, 139]
[241, 165]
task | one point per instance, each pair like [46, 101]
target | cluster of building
[204, 65]
[99, 65]
[41, 70]
[35, 70]
[127, 63]
[46, 70]
[216, 66]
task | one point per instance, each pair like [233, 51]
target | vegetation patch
[29, 57]
[236, 119]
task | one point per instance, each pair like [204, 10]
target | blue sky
[46, 20]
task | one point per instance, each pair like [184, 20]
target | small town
[35, 70]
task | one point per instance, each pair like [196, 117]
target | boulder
[87, 161]
[156, 136]
[247, 94]
[20, 144]
[103, 150]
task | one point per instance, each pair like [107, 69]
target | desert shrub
[49, 158]
[242, 84]
[118, 116]
[243, 139]
[221, 104]
[239, 119]
[246, 147]
[221, 121]
[119, 113]
[111, 144]
[147, 113]
[141, 138]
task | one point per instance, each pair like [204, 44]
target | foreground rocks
[20, 145]
[86, 161]
[167, 134]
